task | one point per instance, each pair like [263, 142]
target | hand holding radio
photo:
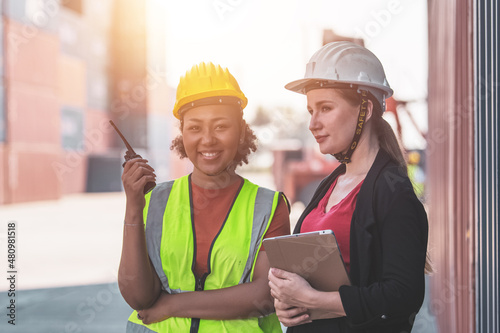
[136, 170]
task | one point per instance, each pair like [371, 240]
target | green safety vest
[232, 256]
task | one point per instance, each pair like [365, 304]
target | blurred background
[69, 66]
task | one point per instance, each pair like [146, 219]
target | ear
[369, 110]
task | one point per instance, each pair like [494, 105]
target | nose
[208, 137]
[314, 123]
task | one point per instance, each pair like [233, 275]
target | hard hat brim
[216, 93]
[299, 86]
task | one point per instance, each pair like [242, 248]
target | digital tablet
[313, 255]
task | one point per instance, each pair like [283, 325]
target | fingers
[294, 321]
[137, 161]
[279, 273]
[273, 277]
[275, 284]
[277, 281]
[297, 313]
[282, 288]
[136, 174]
[291, 316]
[141, 315]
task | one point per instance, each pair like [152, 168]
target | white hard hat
[344, 63]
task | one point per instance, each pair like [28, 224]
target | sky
[266, 44]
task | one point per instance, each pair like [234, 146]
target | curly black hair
[245, 148]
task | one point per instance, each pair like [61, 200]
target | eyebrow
[211, 119]
[323, 101]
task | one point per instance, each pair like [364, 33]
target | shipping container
[3, 115]
[33, 115]
[32, 59]
[32, 175]
[98, 90]
[104, 173]
[72, 129]
[487, 126]
[98, 132]
[71, 33]
[4, 192]
[72, 171]
[72, 81]
[36, 15]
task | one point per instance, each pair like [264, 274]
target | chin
[213, 172]
[326, 151]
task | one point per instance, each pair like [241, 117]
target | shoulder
[280, 224]
[393, 195]
[386, 177]
[392, 180]
[247, 184]
[280, 199]
[385, 186]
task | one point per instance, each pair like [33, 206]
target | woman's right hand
[139, 284]
[290, 315]
[136, 174]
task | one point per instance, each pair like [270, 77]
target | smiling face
[333, 120]
[211, 136]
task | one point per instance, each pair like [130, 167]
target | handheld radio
[130, 154]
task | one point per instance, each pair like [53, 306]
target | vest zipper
[195, 322]
[200, 282]
[200, 285]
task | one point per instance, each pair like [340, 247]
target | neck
[363, 157]
[220, 180]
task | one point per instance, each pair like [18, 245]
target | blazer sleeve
[397, 294]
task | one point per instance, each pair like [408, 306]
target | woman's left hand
[289, 288]
[158, 312]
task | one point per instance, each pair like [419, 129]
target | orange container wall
[72, 93]
[72, 171]
[451, 164]
[33, 116]
[71, 81]
[33, 176]
[33, 121]
[3, 175]
[32, 57]
[99, 135]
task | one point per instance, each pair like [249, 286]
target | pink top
[337, 219]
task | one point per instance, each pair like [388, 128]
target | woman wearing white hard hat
[368, 201]
[192, 258]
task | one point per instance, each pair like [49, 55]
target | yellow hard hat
[207, 84]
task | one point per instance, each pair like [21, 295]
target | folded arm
[242, 301]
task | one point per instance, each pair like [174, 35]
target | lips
[320, 138]
[210, 155]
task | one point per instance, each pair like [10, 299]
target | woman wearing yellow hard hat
[368, 201]
[192, 259]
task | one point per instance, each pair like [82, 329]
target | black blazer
[388, 244]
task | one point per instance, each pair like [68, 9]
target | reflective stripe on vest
[137, 328]
[237, 243]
